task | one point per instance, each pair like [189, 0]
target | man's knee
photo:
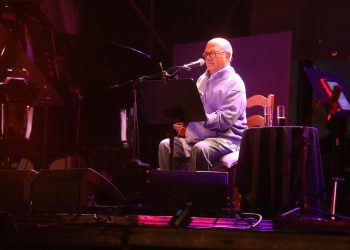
[164, 145]
[200, 147]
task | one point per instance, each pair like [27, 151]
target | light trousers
[200, 157]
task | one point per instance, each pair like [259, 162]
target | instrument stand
[335, 178]
[135, 127]
[76, 107]
[335, 181]
[331, 88]
[170, 100]
[303, 203]
[44, 149]
[46, 99]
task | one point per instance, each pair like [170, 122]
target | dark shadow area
[335, 148]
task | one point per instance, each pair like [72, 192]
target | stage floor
[241, 231]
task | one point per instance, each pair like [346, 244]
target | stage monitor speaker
[168, 191]
[15, 189]
[72, 191]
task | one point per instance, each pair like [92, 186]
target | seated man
[223, 95]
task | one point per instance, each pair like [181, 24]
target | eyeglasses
[212, 54]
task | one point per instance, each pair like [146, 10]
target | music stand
[324, 83]
[168, 101]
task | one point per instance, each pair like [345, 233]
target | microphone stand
[176, 70]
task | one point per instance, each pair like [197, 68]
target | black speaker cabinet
[72, 191]
[168, 191]
[15, 189]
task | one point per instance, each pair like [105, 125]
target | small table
[270, 168]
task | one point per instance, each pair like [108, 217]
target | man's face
[215, 57]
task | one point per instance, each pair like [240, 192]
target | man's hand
[180, 128]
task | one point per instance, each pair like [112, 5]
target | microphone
[199, 62]
[333, 105]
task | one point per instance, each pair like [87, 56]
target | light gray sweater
[224, 100]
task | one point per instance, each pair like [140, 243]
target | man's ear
[228, 56]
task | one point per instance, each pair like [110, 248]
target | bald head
[217, 55]
[223, 44]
